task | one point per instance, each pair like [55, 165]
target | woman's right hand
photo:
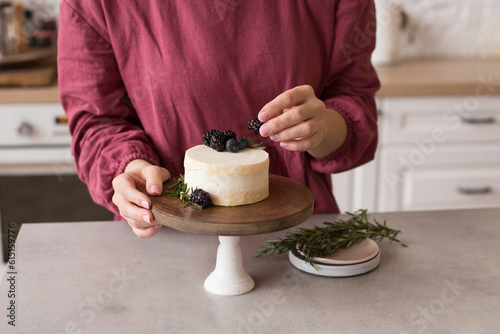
[134, 205]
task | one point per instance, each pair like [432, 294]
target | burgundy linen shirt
[146, 79]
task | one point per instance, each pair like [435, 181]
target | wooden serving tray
[36, 67]
[289, 204]
[33, 54]
[27, 77]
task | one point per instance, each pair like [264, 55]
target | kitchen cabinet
[436, 150]
[38, 181]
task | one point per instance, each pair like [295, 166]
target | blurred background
[38, 181]
[439, 109]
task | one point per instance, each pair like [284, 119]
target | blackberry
[229, 134]
[232, 145]
[208, 135]
[255, 125]
[218, 142]
[242, 143]
[200, 198]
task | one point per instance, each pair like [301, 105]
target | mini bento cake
[231, 179]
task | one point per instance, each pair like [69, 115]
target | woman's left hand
[299, 121]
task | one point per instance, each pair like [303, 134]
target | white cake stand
[289, 204]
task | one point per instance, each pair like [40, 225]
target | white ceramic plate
[330, 270]
[360, 252]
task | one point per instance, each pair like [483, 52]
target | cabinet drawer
[453, 176]
[439, 189]
[451, 120]
[33, 125]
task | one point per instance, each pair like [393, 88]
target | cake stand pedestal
[229, 277]
[289, 204]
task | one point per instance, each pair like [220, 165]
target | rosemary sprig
[331, 238]
[251, 144]
[181, 190]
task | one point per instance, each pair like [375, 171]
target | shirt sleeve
[105, 129]
[352, 85]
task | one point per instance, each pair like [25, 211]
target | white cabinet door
[356, 189]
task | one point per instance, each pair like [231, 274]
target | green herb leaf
[179, 189]
[251, 144]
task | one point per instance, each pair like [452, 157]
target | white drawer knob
[25, 129]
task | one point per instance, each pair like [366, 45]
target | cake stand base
[229, 277]
[289, 204]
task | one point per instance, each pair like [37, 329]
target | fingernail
[146, 219]
[145, 205]
[284, 144]
[155, 189]
[157, 227]
[264, 116]
[264, 130]
[274, 137]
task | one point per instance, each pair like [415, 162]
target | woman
[141, 81]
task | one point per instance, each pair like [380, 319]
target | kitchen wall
[435, 28]
[451, 28]
[44, 9]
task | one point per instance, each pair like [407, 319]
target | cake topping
[218, 142]
[208, 135]
[200, 198]
[228, 134]
[226, 140]
[232, 145]
[242, 143]
[255, 125]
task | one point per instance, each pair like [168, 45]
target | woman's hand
[299, 121]
[133, 204]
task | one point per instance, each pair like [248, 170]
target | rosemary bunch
[331, 238]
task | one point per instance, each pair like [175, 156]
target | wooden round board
[289, 204]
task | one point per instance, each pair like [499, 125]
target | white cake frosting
[230, 178]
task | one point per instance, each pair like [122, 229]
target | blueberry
[242, 143]
[232, 145]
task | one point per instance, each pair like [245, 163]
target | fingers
[155, 177]
[302, 144]
[133, 204]
[288, 109]
[293, 123]
[299, 127]
[140, 220]
[126, 186]
[288, 99]
[138, 217]
[147, 232]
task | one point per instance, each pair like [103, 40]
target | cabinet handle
[474, 191]
[484, 120]
[61, 120]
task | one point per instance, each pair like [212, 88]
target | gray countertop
[100, 278]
